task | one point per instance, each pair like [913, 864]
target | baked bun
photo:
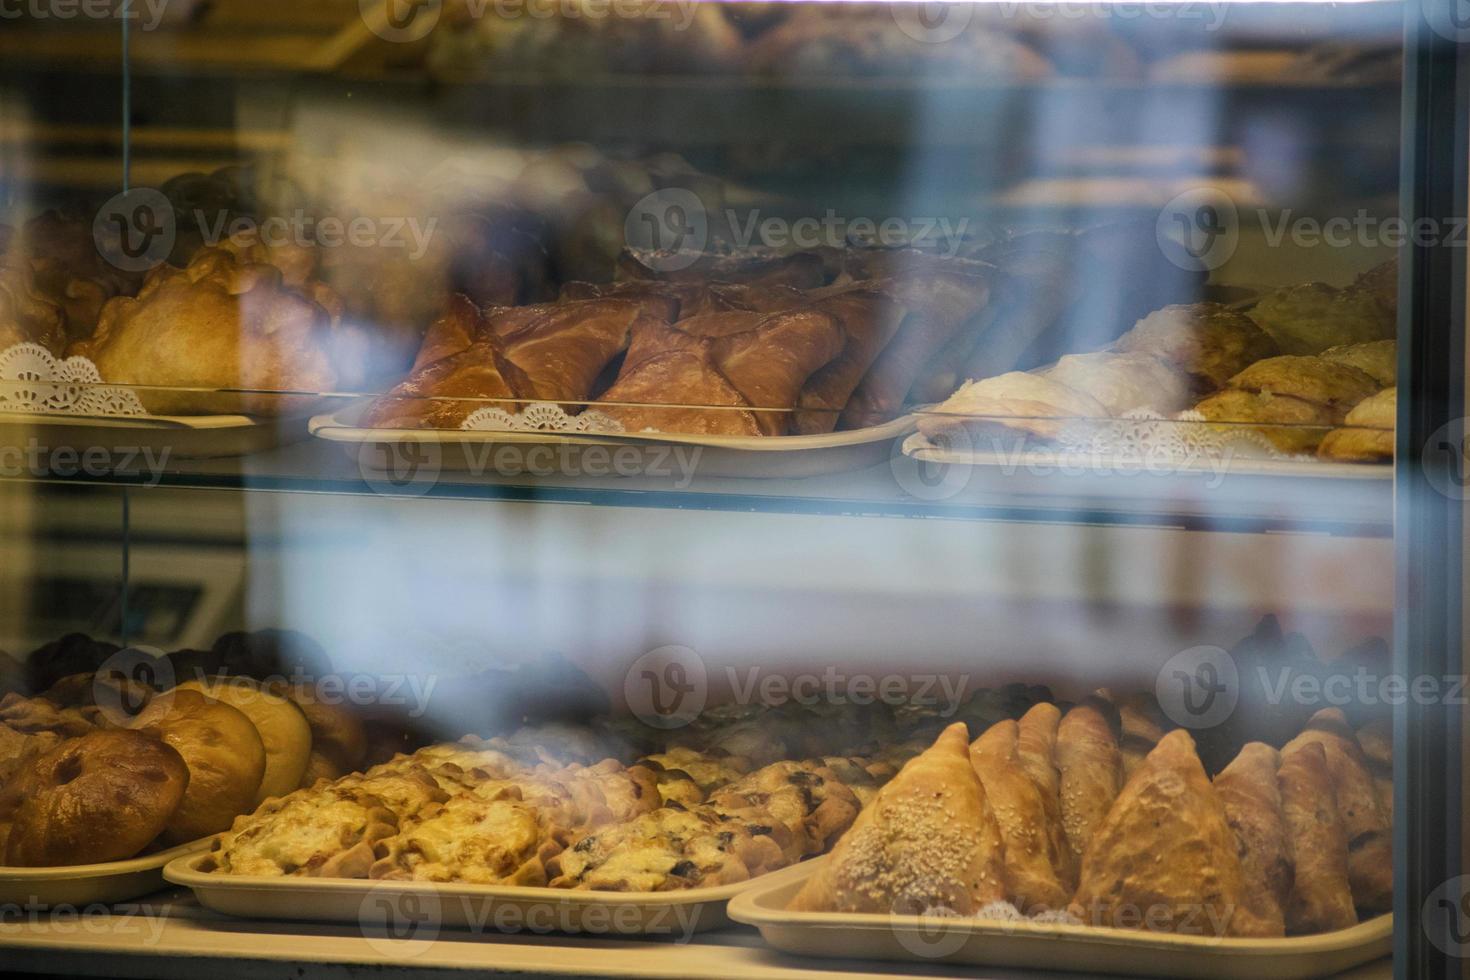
[1379, 359]
[1314, 379]
[1292, 425]
[1312, 317]
[282, 727]
[338, 741]
[1368, 433]
[224, 753]
[101, 797]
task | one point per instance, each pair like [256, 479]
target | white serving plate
[1086, 949]
[413, 907]
[507, 453]
[91, 884]
[125, 437]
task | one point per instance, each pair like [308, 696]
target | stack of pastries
[1100, 814]
[1280, 371]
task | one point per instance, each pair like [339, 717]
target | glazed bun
[100, 797]
[225, 756]
[338, 740]
[282, 727]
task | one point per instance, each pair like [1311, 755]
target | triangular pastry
[1091, 768]
[928, 841]
[1370, 847]
[1247, 789]
[1030, 862]
[1321, 899]
[1036, 746]
[1164, 859]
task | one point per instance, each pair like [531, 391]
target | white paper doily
[32, 380]
[540, 417]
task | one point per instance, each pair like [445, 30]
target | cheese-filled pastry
[1321, 899]
[1252, 799]
[928, 842]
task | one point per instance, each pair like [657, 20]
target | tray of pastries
[1304, 373]
[1092, 839]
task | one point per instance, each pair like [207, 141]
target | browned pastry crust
[35, 715]
[221, 323]
[1248, 790]
[1309, 318]
[1370, 845]
[17, 749]
[1321, 899]
[929, 841]
[743, 361]
[1030, 861]
[336, 732]
[1368, 436]
[939, 305]
[468, 838]
[809, 799]
[871, 316]
[1165, 859]
[70, 272]
[1293, 425]
[1028, 403]
[1381, 284]
[1091, 768]
[405, 790]
[224, 755]
[1313, 379]
[799, 270]
[1143, 725]
[101, 797]
[1379, 359]
[27, 315]
[734, 297]
[1209, 342]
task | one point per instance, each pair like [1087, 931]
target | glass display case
[705, 489]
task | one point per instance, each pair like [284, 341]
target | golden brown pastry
[282, 727]
[1381, 284]
[1310, 318]
[1019, 401]
[315, 833]
[35, 715]
[1091, 768]
[1291, 424]
[1207, 341]
[101, 797]
[467, 838]
[70, 272]
[222, 323]
[338, 740]
[799, 270]
[808, 799]
[1030, 863]
[1321, 899]
[1370, 845]
[1165, 859]
[1379, 359]
[1376, 739]
[929, 841]
[1036, 744]
[1125, 382]
[1313, 379]
[1248, 790]
[224, 755]
[17, 749]
[1368, 433]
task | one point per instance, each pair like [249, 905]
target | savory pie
[467, 838]
[325, 833]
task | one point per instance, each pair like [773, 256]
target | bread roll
[282, 727]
